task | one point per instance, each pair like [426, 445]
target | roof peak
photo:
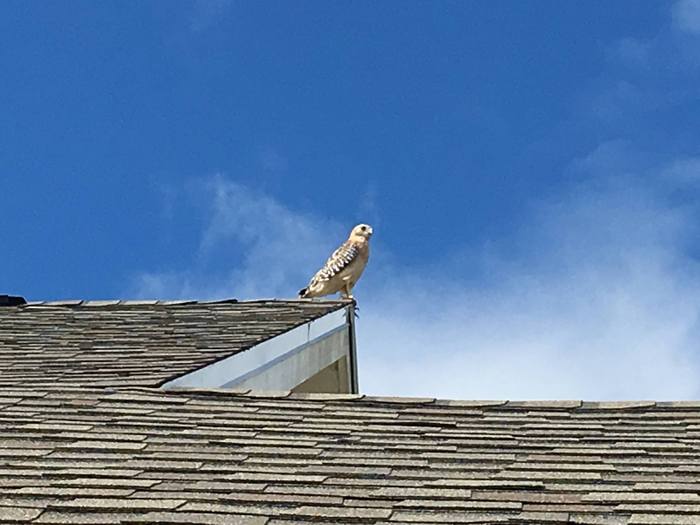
[92, 303]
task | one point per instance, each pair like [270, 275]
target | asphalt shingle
[87, 437]
[319, 459]
[117, 344]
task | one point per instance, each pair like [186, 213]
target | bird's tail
[302, 293]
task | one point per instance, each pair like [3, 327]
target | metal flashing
[354, 376]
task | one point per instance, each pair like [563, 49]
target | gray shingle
[108, 447]
[195, 518]
[302, 459]
[112, 343]
[118, 504]
[451, 517]
[189, 455]
[59, 517]
[662, 519]
[18, 514]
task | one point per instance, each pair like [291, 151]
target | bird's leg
[347, 292]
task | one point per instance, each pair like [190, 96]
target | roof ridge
[554, 404]
[92, 303]
[538, 404]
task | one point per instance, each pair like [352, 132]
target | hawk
[343, 268]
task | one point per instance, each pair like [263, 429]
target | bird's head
[361, 232]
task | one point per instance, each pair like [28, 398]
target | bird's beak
[371, 231]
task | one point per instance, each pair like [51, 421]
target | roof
[140, 455]
[87, 437]
[137, 343]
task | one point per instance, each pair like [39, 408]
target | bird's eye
[364, 228]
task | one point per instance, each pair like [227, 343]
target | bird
[343, 268]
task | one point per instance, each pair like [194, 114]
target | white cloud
[603, 304]
[686, 15]
[632, 51]
[686, 170]
[647, 76]
[270, 249]
[595, 298]
[272, 161]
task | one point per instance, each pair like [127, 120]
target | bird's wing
[337, 262]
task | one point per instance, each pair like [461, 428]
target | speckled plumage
[343, 268]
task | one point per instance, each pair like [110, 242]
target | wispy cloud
[686, 15]
[272, 161]
[632, 51]
[251, 246]
[684, 170]
[648, 75]
[595, 297]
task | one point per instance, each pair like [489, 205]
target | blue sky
[531, 170]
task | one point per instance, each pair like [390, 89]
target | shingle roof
[142, 455]
[113, 343]
[86, 438]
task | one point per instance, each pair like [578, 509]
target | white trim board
[297, 366]
[243, 365]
